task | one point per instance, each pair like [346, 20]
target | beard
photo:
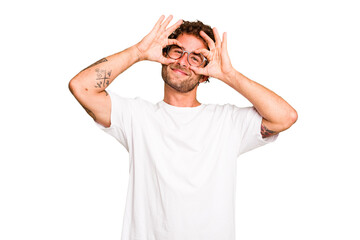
[181, 83]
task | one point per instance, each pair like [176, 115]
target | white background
[63, 178]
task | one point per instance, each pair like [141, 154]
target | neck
[179, 99]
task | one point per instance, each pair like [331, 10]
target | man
[182, 153]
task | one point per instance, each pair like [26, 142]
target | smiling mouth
[179, 71]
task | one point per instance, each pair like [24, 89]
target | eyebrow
[188, 51]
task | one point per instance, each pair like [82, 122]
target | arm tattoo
[265, 132]
[96, 63]
[102, 77]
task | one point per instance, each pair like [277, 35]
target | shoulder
[131, 102]
[231, 110]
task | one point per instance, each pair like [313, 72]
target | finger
[207, 39]
[204, 52]
[217, 38]
[174, 42]
[167, 21]
[199, 71]
[167, 61]
[158, 23]
[224, 52]
[173, 27]
[224, 42]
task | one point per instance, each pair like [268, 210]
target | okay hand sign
[219, 65]
[151, 46]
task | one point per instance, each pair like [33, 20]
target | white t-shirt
[182, 166]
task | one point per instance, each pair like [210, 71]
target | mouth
[179, 71]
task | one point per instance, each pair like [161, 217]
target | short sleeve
[247, 123]
[121, 115]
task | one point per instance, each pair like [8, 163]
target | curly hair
[193, 28]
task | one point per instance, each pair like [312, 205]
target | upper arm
[96, 104]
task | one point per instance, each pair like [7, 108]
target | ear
[204, 78]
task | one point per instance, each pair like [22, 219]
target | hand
[219, 65]
[151, 46]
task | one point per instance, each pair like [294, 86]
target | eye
[176, 49]
[196, 58]
[175, 52]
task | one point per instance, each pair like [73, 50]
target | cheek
[163, 72]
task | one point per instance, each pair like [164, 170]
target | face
[178, 75]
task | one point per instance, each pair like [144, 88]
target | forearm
[98, 76]
[88, 86]
[276, 111]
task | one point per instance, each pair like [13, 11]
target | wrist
[138, 53]
[229, 76]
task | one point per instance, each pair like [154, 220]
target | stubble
[181, 84]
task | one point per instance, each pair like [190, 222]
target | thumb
[166, 61]
[197, 70]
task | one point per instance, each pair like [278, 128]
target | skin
[180, 79]
[277, 114]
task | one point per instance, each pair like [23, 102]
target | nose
[183, 60]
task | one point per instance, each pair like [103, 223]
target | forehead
[190, 42]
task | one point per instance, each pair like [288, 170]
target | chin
[177, 82]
